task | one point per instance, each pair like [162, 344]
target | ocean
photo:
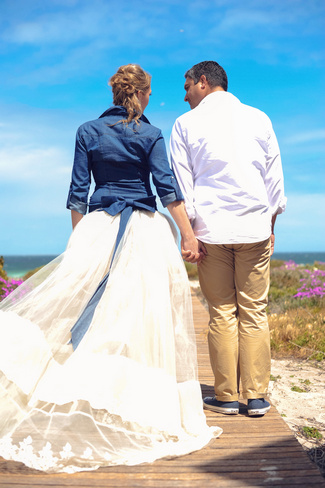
[18, 266]
[300, 257]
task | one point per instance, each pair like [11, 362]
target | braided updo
[126, 83]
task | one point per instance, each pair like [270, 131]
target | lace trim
[44, 460]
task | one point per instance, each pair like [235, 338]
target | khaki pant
[234, 279]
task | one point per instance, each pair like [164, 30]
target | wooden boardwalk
[251, 452]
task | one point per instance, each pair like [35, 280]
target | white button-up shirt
[227, 161]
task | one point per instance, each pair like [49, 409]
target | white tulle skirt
[129, 393]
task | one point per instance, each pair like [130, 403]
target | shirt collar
[120, 110]
[216, 94]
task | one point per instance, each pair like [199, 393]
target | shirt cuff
[170, 198]
[74, 204]
[282, 206]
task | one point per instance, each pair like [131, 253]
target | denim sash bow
[112, 205]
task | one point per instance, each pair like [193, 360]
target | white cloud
[46, 26]
[244, 19]
[80, 38]
[119, 21]
[303, 137]
[269, 32]
[28, 152]
[36, 164]
[116, 22]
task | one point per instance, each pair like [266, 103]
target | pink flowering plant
[7, 286]
[292, 283]
[297, 310]
[290, 265]
[312, 285]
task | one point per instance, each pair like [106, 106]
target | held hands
[193, 251]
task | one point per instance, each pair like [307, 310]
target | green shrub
[191, 271]
[3, 274]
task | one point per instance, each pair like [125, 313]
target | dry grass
[298, 332]
[296, 325]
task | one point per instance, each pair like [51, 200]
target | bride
[97, 349]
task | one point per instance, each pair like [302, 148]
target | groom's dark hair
[214, 73]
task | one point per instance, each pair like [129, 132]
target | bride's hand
[192, 250]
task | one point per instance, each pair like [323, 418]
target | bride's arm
[75, 217]
[190, 247]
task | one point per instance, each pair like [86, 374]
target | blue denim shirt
[120, 157]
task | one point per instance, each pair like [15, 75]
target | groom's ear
[203, 82]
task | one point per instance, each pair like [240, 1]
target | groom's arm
[181, 164]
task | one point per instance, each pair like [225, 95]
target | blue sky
[57, 56]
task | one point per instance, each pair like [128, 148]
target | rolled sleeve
[170, 198]
[81, 178]
[74, 204]
[162, 175]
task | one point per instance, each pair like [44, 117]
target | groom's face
[194, 93]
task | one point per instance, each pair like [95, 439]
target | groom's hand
[202, 250]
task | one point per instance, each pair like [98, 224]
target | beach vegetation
[7, 285]
[191, 271]
[297, 389]
[296, 310]
[275, 378]
[31, 272]
[305, 382]
[3, 273]
[311, 432]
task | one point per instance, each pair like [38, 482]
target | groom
[227, 161]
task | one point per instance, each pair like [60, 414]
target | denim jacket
[120, 158]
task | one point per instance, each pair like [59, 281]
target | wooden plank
[221, 464]
[280, 478]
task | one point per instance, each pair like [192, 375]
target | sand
[299, 409]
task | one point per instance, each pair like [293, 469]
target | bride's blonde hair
[126, 83]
